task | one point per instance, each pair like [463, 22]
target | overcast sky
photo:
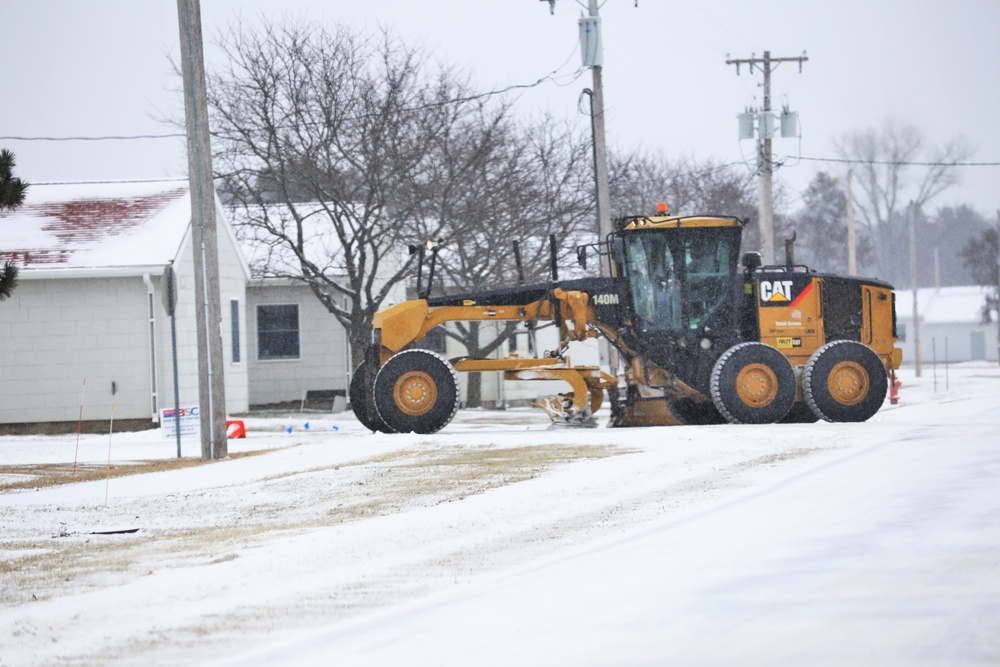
[100, 67]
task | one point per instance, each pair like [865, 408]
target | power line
[552, 76]
[900, 163]
[719, 23]
[109, 137]
[175, 179]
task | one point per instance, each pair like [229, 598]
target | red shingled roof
[86, 225]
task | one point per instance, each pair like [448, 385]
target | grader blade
[559, 410]
[575, 408]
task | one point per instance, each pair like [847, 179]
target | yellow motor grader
[700, 340]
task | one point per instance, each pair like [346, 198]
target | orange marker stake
[79, 424]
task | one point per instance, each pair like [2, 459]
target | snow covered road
[504, 543]
[887, 557]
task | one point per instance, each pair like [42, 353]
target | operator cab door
[710, 275]
[681, 280]
[654, 280]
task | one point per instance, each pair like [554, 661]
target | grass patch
[44, 475]
[289, 503]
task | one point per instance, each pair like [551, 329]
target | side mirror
[581, 256]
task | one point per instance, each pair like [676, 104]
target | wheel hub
[757, 385]
[848, 383]
[415, 393]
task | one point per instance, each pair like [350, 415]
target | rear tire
[363, 405]
[416, 391]
[753, 383]
[844, 381]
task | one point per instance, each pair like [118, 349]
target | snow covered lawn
[500, 542]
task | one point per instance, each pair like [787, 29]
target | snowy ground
[499, 542]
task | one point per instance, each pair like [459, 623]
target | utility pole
[852, 241]
[591, 51]
[600, 149]
[208, 309]
[595, 59]
[765, 165]
[918, 356]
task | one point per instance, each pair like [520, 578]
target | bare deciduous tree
[688, 187]
[336, 152]
[525, 184]
[325, 141]
[889, 178]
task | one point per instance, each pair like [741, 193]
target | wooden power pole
[852, 240]
[591, 48]
[918, 355]
[595, 59]
[600, 150]
[211, 380]
[765, 163]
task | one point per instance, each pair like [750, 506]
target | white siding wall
[58, 332]
[232, 285]
[323, 353]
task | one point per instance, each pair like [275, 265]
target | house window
[234, 319]
[278, 332]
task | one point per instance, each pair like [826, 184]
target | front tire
[416, 391]
[753, 383]
[844, 381]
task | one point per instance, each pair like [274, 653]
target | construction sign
[188, 418]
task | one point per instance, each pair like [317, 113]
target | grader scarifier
[700, 341]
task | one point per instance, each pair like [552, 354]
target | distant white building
[87, 324]
[950, 325]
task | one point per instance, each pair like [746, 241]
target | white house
[86, 332]
[951, 327]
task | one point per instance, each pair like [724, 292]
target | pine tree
[12, 192]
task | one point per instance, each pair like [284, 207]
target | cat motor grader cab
[700, 340]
